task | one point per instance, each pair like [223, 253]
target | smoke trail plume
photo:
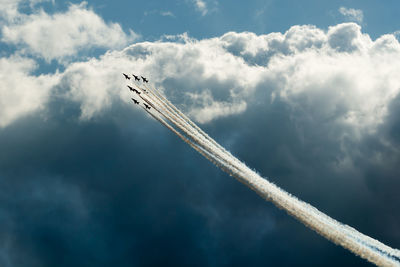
[346, 236]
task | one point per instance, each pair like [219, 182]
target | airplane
[147, 106]
[126, 76]
[144, 79]
[133, 90]
[136, 77]
[135, 101]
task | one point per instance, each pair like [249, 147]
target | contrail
[349, 238]
[166, 111]
[200, 149]
[189, 122]
[350, 231]
[206, 154]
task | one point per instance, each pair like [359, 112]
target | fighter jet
[136, 77]
[135, 101]
[144, 79]
[133, 90]
[126, 76]
[147, 106]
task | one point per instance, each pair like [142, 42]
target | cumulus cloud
[339, 74]
[62, 35]
[351, 85]
[352, 14]
[96, 83]
[21, 92]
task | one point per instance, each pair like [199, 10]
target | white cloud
[339, 75]
[8, 9]
[35, 2]
[63, 35]
[21, 92]
[352, 14]
[342, 73]
[96, 83]
[201, 6]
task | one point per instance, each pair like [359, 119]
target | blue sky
[259, 17]
[306, 93]
[153, 19]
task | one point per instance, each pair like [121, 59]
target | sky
[305, 93]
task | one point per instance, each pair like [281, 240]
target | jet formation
[138, 90]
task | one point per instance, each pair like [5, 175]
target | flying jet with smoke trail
[126, 76]
[144, 79]
[135, 101]
[340, 234]
[133, 90]
[136, 77]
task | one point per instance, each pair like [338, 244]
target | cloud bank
[339, 75]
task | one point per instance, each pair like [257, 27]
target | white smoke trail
[362, 245]
[350, 231]
[170, 115]
[161, 108]
[216, 161]
[373, 244]
[181, 115]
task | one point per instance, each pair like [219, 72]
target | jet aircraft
[133, 90]
[147, 106]
[144, 79]
[136, 77]
[135, 101]
[126, 76]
